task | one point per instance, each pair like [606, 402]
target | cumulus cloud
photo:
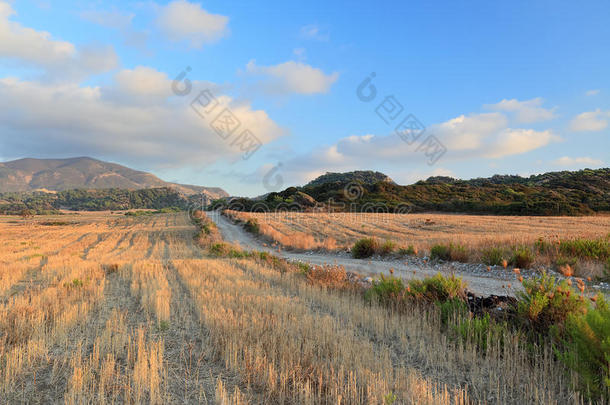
[181, 20]
[291, 78]
[517, 141]
[59, 59]
[469, 132]
[593, 92]
[590, 121]
[68, 119]
[527, 111]
[578, 162]
[473, 136]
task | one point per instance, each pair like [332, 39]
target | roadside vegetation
[551, 324]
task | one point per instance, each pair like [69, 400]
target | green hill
[583, 192]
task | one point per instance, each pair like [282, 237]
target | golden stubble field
[101, 308]
[319, 230]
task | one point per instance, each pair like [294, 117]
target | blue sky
[504, 87]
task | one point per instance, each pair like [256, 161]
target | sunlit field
[476, 233]
[108, 308]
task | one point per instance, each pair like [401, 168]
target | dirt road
[497, 282]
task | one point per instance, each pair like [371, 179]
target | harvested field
[122, 309]
[339, 231]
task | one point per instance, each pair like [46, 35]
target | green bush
[522, 257]
[438, 288]
[365, 248]
[453, 252]
[408, 251]
[219, 249]
[586, 349]
[458, 253]
[252, 226]
[440, 252]
[387, 247]
[546, 304]
[387, 290]
[493, 256]
[593, 249]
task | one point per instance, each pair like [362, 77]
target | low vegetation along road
[497, 283]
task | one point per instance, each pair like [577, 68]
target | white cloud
[469, 132]
[59, 59]
[467, 137]
[590, 121]
[593, 92]
[68, 119]
[578, 162]
[181, 20]
[517, 141]
[527, 111]
[292, 77]
[313, 31]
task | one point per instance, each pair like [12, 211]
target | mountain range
[25, 175]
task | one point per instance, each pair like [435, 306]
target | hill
[360, 176]
[583, 192]
[25, 175]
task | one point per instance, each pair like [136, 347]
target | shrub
[365, 248]
[595, 249]
[408, 251]
[566, 266]
[453, 252]
[387, 247]
[333, 277]
[458, 253]
[522, 258]
[440, 252]
[387, 290]
[545, 303]
[438, 288]
[587, 349]
[252, 226]
[219, 249]
[493, 256]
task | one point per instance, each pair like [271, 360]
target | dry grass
[339, 231]
[129, 310]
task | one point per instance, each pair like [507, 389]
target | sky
[258, 96]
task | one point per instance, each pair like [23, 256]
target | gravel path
[481, 282]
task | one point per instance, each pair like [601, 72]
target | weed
[438, 288]
[493, 256]
[252, 226]
[546, 304]
[452, 252]
[408, 251]
[522, 257]
[587, 349]
[387, 247]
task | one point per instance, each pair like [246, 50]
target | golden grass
[113, 309]
[423, 230]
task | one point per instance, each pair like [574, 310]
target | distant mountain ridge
[30, 174]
